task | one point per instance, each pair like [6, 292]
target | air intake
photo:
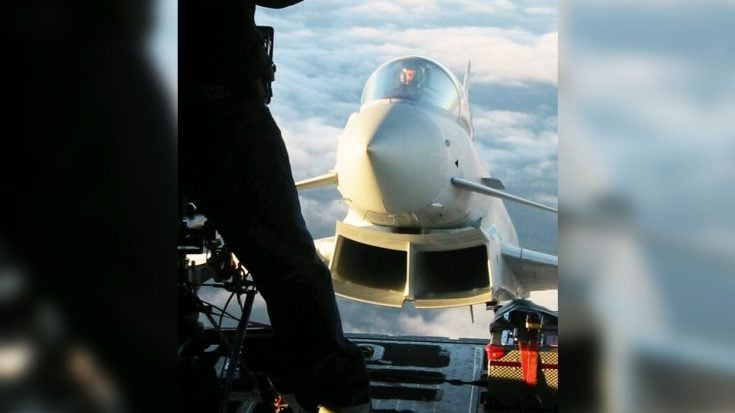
[440, 269]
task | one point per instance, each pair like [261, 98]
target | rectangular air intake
[370, 266]
[459, 272]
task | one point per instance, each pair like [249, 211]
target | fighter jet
[426, 221]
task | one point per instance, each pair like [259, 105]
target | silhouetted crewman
[234, 166]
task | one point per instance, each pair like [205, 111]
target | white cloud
[312, 146]
[367, 33]
[452, 322]
[520, 149]
[377, 7]
[519, 132]
[546, 199]
[417, 3]
[483, 6]
[501, 122]
[322, 214]
[546, 11]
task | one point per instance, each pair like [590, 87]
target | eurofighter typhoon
[426, 221]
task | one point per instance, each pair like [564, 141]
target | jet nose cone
[391, 159]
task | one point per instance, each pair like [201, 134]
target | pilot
[411, 81]
[234, 166]
[410, 76]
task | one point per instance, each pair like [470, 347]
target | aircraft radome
[426, 222]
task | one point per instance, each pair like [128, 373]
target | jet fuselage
[398, 153]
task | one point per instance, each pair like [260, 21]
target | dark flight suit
[234, 166]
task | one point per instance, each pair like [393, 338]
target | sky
[326, 50]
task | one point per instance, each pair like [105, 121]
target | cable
[257, 324]
[227, 315]
[209, 285]
[239, 301]
[221, 310]
[236, 347]
[227, 303]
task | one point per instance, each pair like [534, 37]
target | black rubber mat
[419, 355]
[392, 411]
[406, 376]
[405, 393]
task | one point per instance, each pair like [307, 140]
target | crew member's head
[412, 76]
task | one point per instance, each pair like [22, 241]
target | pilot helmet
[412, 75]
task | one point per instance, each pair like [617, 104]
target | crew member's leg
[252, 200]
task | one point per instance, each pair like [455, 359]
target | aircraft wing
[490, 188]
[534, 270]
[329, 178]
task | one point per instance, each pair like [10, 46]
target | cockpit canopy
[415, 79]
